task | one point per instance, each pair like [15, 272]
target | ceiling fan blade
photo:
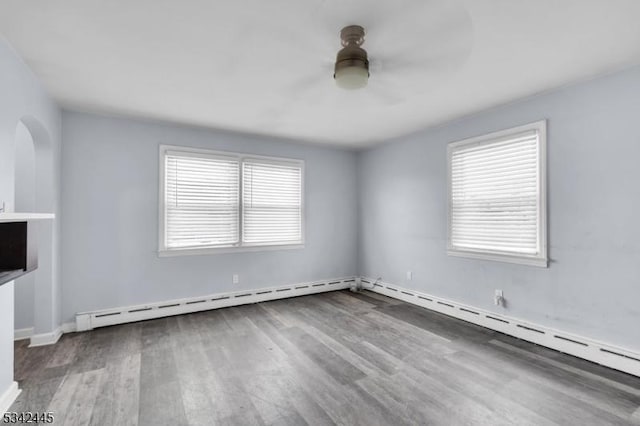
[427, 66]
[427, 23]
[311, 76]
[387, 96]
[424, 39]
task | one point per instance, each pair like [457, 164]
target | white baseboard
[23, 333]
[8, 397]
[68, 327]
[601, 353]
[90, 320]
[126, 314]
[46, 338]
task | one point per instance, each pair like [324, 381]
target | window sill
[223, 250]
[498, 257]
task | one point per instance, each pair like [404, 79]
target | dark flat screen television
[18, 250]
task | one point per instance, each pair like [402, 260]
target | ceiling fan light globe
[351, 78]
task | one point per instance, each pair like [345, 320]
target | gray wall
[110, 217]
[592, 286]
[22, 98]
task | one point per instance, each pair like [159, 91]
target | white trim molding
[106, 317]
[24, 217]
[23, 333]
[238, 246]
[540, 258]
[599, 352]
[222, 250]
[45, 339]
[8, 397]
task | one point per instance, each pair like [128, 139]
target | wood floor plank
[160, 391]
[194, 373]
[323, 357]
[74, 401]
[352, 304]
[33, 363]
[375, 299]
[36, 394]
[494, 362]
[66, 351]
[602, 380]
[271, 394]
[442, 382]
[62, 403]
[118, 398]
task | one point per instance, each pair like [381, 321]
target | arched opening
[24, 201]
[36, 294]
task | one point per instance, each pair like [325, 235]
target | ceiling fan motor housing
[352, 55]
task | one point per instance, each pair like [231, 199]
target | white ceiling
[265, 67]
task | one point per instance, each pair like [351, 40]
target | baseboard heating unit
[581, 347]
[106, 317]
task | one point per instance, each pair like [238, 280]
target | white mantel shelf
[23, 217]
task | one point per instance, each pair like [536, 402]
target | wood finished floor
[332, 358]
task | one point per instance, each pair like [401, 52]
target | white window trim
[541, 259]
[163, 251]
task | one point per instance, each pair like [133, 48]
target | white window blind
[496, 195]
[201, 200]
[214, 201]
[271, 203]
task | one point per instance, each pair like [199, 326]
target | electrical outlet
[409, 275]
[498, 298]
[236, 279]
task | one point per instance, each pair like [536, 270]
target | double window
[497, 196]
[217, 201]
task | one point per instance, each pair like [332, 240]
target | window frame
[541, 258]
[164, 251]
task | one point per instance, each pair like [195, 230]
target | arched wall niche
[35, 295]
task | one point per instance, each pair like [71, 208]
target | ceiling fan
[409, 49]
